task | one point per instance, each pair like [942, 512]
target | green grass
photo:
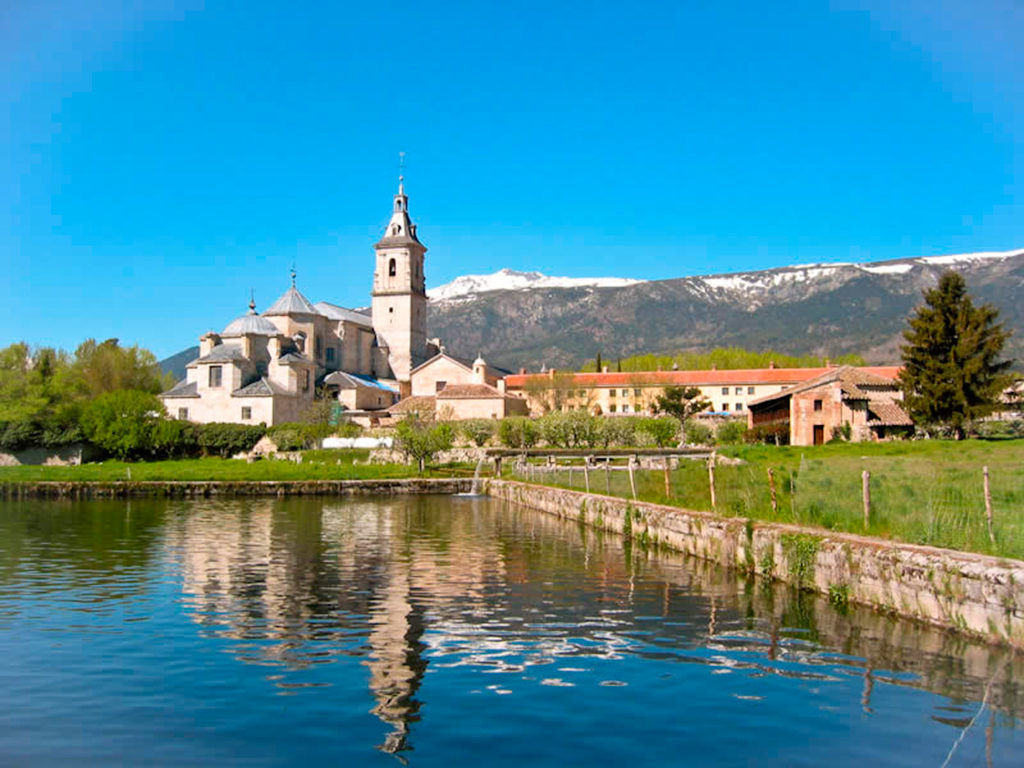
[922, 492]
[316, 465]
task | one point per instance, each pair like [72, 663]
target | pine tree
[951, 372]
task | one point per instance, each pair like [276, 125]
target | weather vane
[401, 166]
[293, 274]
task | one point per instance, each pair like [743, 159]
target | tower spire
[293, 273]
[401, 173]
[252, 301]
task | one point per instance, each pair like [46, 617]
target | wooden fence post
[668, 481]
[988, 505]
[586, 472]
[570, 475]
[865, 481]
[607, 477]
[771, 486]
[711, 479]
[632, 481]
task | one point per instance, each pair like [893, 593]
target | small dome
[478, 361]
[250, 323]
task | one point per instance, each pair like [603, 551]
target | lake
[437, 631]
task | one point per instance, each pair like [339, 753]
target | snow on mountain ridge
[511, 280]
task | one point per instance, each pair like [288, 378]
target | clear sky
[159, 159]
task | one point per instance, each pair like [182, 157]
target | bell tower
[399, 294]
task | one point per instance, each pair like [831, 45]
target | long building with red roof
[728, 391]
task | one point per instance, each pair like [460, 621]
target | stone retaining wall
[975, 594]
[177, 488]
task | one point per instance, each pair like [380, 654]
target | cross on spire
[401, 173]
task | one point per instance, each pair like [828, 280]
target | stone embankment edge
[202, 489]
[976, 595]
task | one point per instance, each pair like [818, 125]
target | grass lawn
[925, 492]
[316, 465]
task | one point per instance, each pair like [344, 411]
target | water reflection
[496, 599]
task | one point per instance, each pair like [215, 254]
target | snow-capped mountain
[528, 319]
[511, 280]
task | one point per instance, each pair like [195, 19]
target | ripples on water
[432, 630]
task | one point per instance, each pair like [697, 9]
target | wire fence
[916, 500]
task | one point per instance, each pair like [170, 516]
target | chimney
[551, 373]
[714, 367]
[828, 363]
[771, 365]
[522, 371]
[501, 386]
[207, 342]
[604, 369]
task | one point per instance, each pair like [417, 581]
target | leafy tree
[661, 431]
[951, 369]
[681, 402]
[122, 422]
[320, 419]
[550, 392]
[698, 433]
[107, 366]
[518, 432]
[724, 358]
[422, 440]
[175, 439]
[477, 431]
[730, 432]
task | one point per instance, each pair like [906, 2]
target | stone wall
[88, 490]
[975, 594]
[68, 455]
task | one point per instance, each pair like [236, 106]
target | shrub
[730, 432]
[620, 431]
[16, 435]
[421, 440]
[698, 433]
[776, 433]
[175, 439]
[571, 429]
[226, 439]
[122, 422]
[477, 431]
[661, 430]
[518, 432]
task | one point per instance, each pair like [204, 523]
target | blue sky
[160, 159]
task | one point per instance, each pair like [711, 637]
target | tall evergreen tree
[951, 368]
[598, 363]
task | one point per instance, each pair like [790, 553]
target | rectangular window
[439, 385]
[739, 406]
[611, 393]
[611, 408]
[216, 375]
[725, 406]
[183, 414]
[625, 408]
[739, 390]
[817, 405]
[330, 354]
[750, 390]
[636, 393]
[725, 390]
[246, 413]
[305, 381]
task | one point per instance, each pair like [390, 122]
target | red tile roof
[476, 391]
[750, 376]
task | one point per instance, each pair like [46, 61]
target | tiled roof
[250, 323]
[335, 312]
[222, 353]
[420, 403]
[492, 370]
[259, 388]
[850, 381]
[711, 378]
[887, 413]
[293, 357]
[292, 303]
[182, 389]
[453, 391]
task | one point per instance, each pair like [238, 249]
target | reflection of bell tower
[399, 293]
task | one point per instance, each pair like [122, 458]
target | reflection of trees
[91, 545]
[404, 582]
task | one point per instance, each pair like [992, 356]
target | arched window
[392, 268]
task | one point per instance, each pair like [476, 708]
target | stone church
[266, 367]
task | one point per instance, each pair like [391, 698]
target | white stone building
[266, 367]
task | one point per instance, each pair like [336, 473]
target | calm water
[433, 631]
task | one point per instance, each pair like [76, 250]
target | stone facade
[818, 409]
[266, 367]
